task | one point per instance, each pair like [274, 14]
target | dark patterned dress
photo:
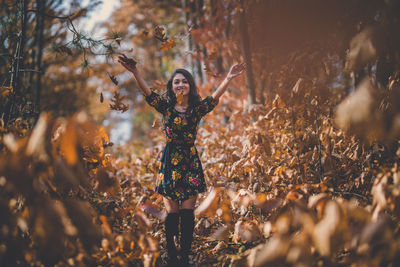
[181, 174]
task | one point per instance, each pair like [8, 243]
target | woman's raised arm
[130, 65]
[235, 71]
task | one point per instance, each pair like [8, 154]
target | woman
[180, 177]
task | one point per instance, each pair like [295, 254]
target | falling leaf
[165, 46]
[179, 98]
[160, 34]
[145, 32]
[101, 97]
[156, 123]
[116, 102]
[113, 78]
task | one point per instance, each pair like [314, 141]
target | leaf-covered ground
[285, 188]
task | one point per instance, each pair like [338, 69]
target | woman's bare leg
[189, 203]
[170, 205]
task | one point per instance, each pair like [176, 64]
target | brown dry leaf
[242, 198]
[294, 195]
[106, 182]
[222, 233]
[267, 205]
[5, 91]
[220, 246]
[64, 177]
[153, 210]
[36, 144]
[113, 78]
[80, 214]
[362, 50]
[48, 232]
[179, 98]
[275, 250]
[209, 204]
[105, 224]
[246, 231]
[160, 34]
[142, 220]
[297, 86]
[148, 244]
[116, 102]
[359, 113]
[165, 46]
[156, 123]
[325, 229]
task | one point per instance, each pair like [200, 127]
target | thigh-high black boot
[187, 227]
[171, 229]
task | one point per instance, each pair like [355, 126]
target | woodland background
[301, 155]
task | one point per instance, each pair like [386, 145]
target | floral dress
[181, 174]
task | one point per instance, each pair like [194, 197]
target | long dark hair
[194, 97]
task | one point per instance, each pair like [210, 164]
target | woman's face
[180, 85]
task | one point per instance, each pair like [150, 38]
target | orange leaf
[105, 224]
[68, 145]
[165, 46]
[293, 195]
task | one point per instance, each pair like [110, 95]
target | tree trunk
[12, 107]
[39, 53]
[246, 52]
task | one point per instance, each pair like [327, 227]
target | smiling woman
[180, 177]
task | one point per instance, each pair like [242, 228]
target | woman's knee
[170, 205]
[189, 203]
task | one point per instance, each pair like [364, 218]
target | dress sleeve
[157, 102]
[205, 106]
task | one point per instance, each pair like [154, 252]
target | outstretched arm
[235, 71]
[130, 65]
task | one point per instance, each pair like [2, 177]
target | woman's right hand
[128, 63]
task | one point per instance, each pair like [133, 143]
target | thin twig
[27, 70]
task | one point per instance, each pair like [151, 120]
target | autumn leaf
[156, 123]
[116, 102]
[153, 210]
[5, 91]
[209, 205]
[179, 98]
[105, 224]
[113, 78]
[68, 145]
[160, 34]
[101, 97]
[165, 46]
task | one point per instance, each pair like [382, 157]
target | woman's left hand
[236, 70]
